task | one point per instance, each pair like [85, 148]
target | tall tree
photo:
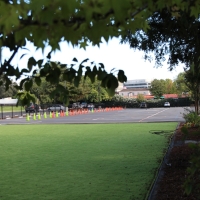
[181, 84]
[192, 80]
[157, 88]
[10, 92]
[169, 87]
[85, 91]
[176, 37]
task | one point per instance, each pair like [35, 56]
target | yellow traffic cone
[39, 117]
[27, 117]
[45, 115]
[34, 117]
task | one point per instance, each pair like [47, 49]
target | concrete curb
[153, 192]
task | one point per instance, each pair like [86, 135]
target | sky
[111, 54]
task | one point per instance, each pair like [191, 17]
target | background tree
[85, 91]
[140, 98]
[10, 92]
[157, 88]
[180, 84]
[97, 93]
[170, 87]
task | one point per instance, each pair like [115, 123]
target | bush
[191, 117]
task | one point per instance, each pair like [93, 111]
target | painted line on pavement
[153, 115]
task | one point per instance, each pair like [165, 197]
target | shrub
[191, 117]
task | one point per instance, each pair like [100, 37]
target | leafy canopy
[168, 36]
[78, 22]
[157, 87]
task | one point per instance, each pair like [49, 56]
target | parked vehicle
[84, 105]
[90, 106]
[32, 108]
[143, 105]
[76, 105]
[166, 104]
[56, 107]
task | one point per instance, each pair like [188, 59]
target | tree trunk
[196, 99]
[195, 106]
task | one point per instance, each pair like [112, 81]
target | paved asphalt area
[173, 114]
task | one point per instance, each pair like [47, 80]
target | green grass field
[96, 162]
[15, 108]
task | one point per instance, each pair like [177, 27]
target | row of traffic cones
[70, 113]
[51, 115]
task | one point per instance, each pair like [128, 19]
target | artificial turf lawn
[105, 161]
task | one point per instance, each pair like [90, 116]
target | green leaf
[95, 69]
[22, 56]
[24, 71]
[112, 82]
[8, 82]
[121, 76]
[75, 60]
[101, 74]
[49, 55]
[39, 62]
[112, 69]
[31, 97]
[76, 81]
[34, 72]
[38, 81]
[31, 62]
[83, 45]
[22, 82]
[92, 76]
[84, 61]
[63, 66]
[110, 91]
[80, 71]
[28, 84]
[101, 65]
[65, 77]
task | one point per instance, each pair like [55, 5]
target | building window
[130, 94]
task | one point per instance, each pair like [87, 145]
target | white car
[166, 104]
